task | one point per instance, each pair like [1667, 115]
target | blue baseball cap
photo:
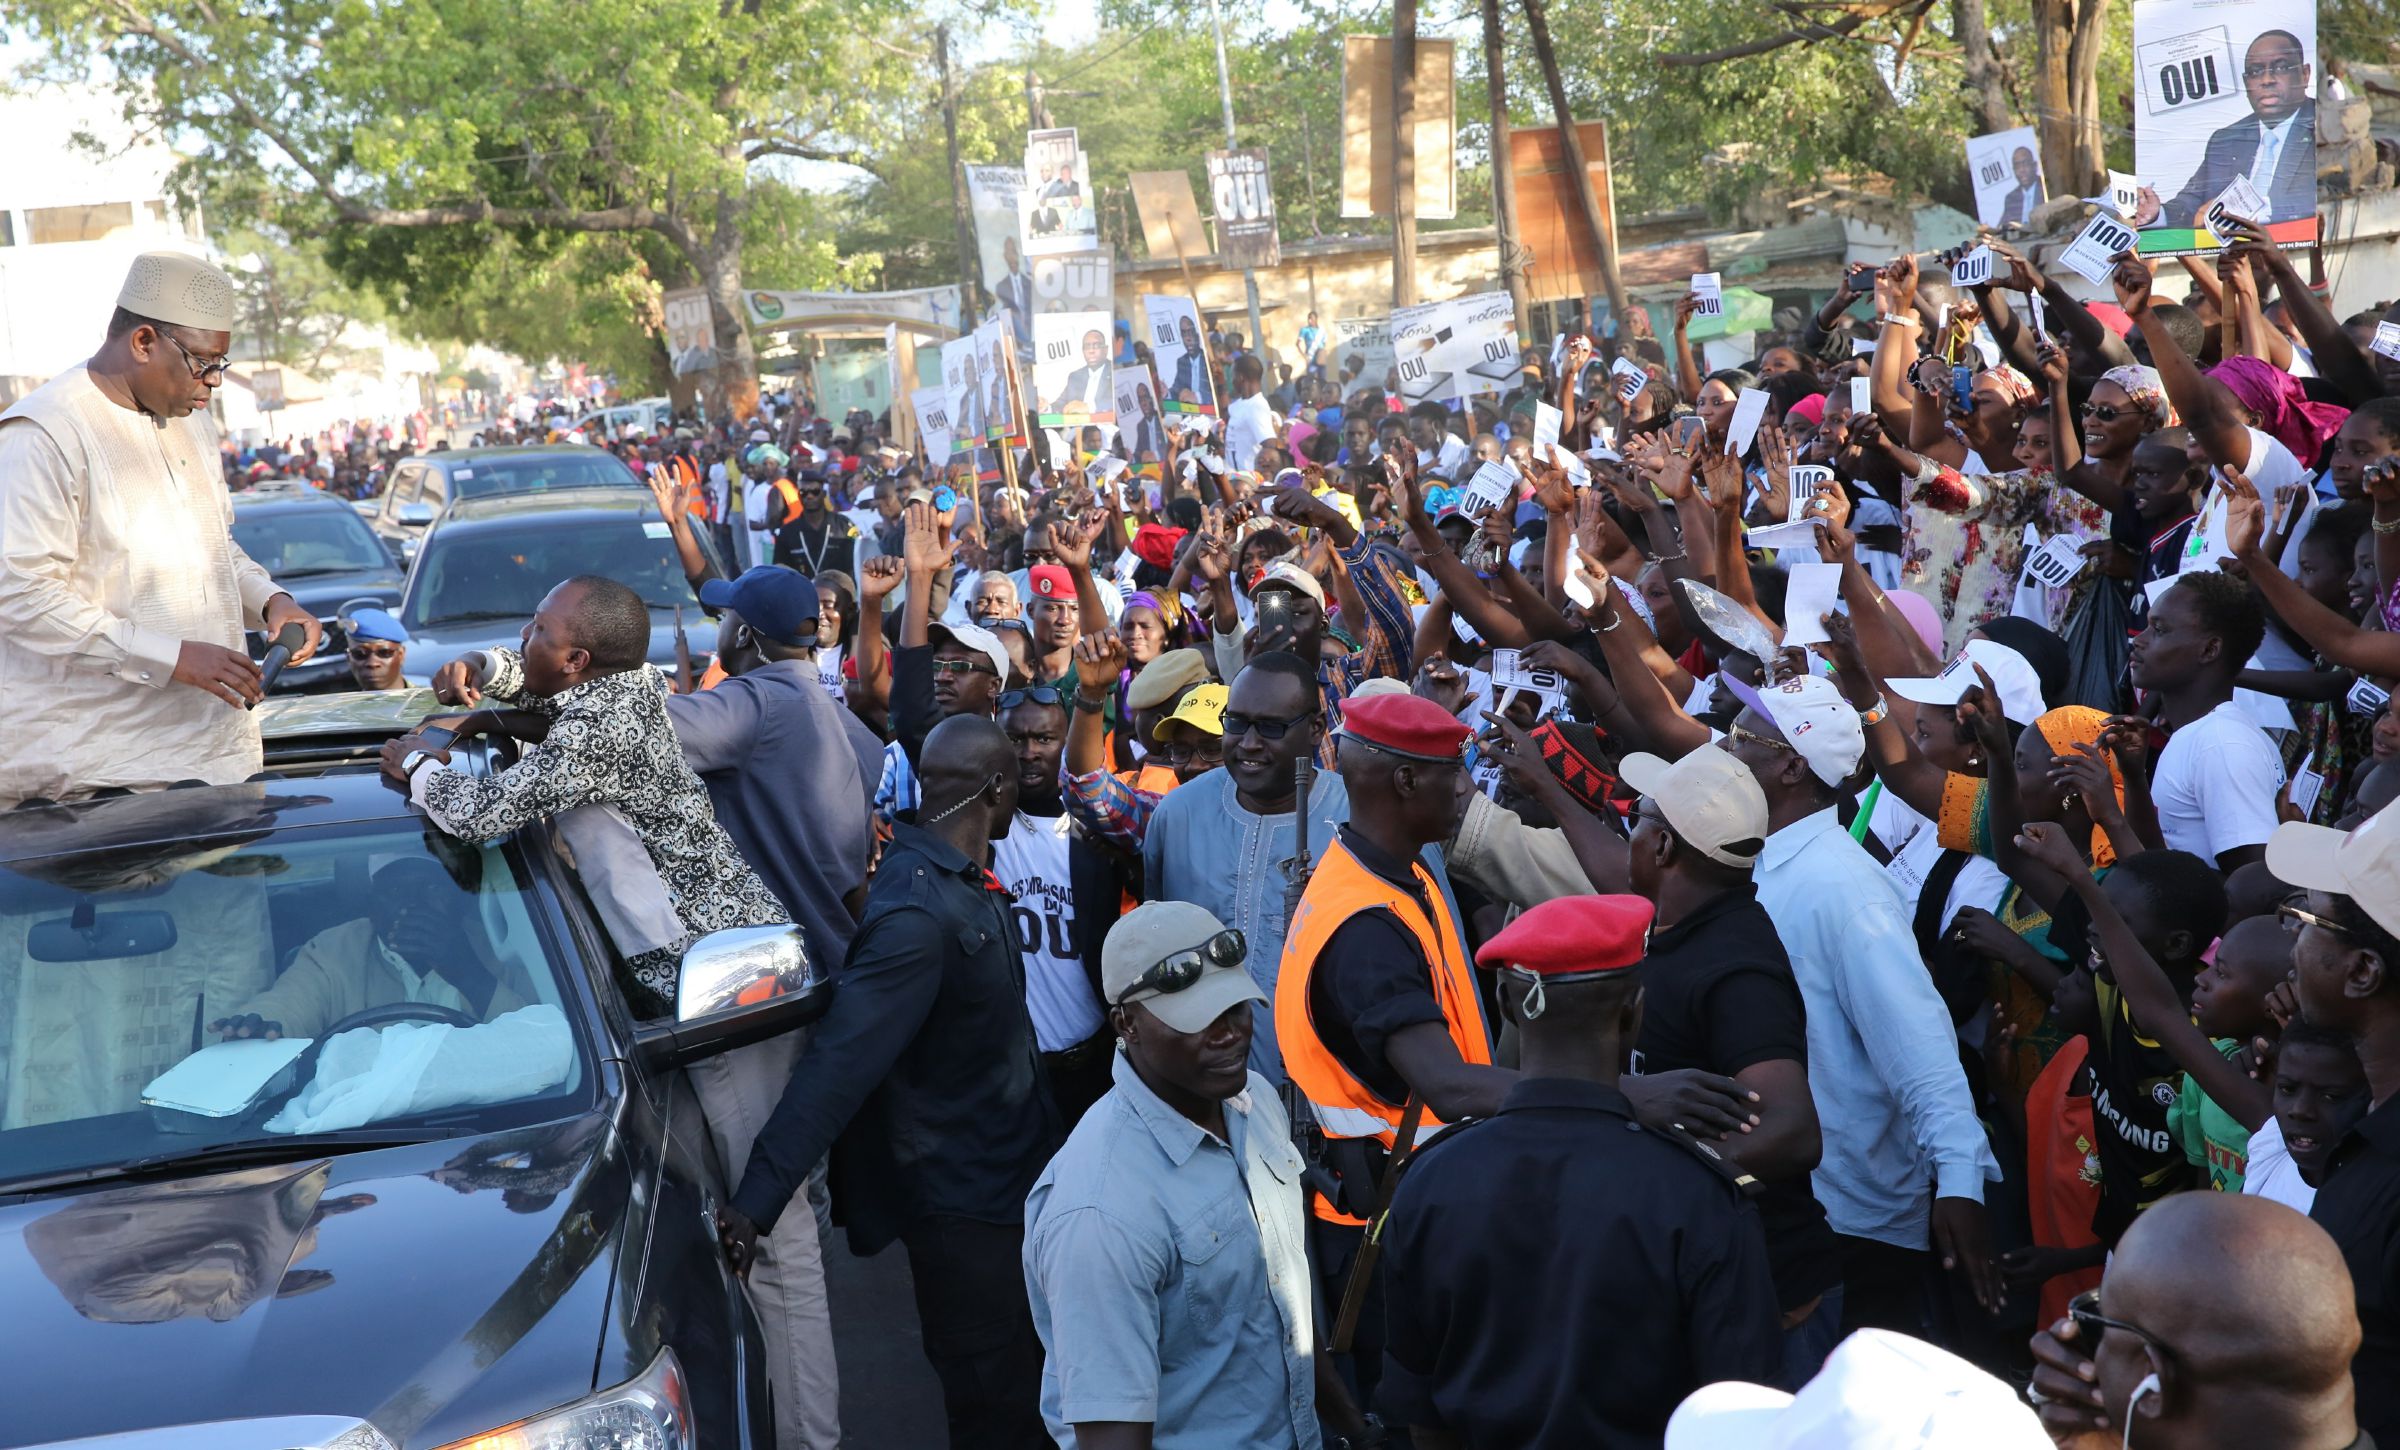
[777, 603]
[377, 624]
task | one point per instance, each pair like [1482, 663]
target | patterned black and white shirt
[611, 745]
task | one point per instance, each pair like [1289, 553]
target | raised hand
[877, 578]
[924, 549]
[1099, 663]
[1439, 680]
[1071, 540]
[2131, 282]
[2021, 276]
[2245, 515]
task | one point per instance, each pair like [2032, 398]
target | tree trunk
[1504, 179]
[1404, 153]
[2066, 92]
[1986, 97]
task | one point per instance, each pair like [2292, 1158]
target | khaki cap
[1711, 799]
[180, 290]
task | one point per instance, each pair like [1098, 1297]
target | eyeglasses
[374, 652]
[2276, 68]
[1738, 733]
[2090, 1324]
[2298, 918]
[964, 667]
[1038, 694]
[2102, 412]
[205, 372]
[1178, 972]
[1237, 726]
[1184, 751]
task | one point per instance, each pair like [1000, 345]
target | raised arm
[2224, 437]
[2329, 633]
[2330, 350]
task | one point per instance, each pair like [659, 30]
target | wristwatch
[410, 762]
[1090, 706]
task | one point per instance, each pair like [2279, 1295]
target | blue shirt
[1168, 1275]
[1899, 1125]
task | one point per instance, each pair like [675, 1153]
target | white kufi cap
[180, 290]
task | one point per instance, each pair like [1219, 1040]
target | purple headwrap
[2278, 407]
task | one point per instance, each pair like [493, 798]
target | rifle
[1370, 1248]
[1297, 866]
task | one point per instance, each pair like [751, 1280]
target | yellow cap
[1203, 709]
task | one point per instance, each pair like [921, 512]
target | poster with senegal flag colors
[2224, 121]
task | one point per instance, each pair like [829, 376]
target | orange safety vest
[1341, 887]
[791, 499]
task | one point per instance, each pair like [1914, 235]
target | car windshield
[167, 1002]
[292, 543]
[502, 572]
[483, 477]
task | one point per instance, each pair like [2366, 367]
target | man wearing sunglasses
[123, 596]
[1147, 1343]
[378, 650]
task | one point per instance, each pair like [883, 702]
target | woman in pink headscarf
[2279, 408]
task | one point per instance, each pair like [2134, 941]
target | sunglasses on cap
[1178, 972]
[1038, 694]
[1738, 733]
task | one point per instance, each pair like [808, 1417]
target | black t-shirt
[1372, 979]
[2359, 1205]
[1718, 995]
[812, 549]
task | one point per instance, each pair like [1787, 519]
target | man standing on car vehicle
[123, 596]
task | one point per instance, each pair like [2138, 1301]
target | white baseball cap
[2362, 864]
[1877, 1391]
[977, 638]
[1817, 722]
[2012, 675]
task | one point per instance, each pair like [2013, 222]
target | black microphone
[279, 654]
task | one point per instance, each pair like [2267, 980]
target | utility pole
[1404, 153]
[1571, 141]
[1216, 14]
[1504, 179]
[962, 225]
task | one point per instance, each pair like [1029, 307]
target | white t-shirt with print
[1031, 861]
[2216, 784]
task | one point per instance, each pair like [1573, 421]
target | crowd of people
[1783, 934]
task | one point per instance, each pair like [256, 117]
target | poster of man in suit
[1180, 353]
[2006, 169]
[1071, 372]
[2226, 91]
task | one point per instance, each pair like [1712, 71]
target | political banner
[1077, 282]
[1170, 217]
[1368, 129]
[2006, 170]
[992, 196]
[1179, 350]
[1141, 429]
[996, 384]
[1245, 208]
[1463, 348]
[1368, 342]
[932, 407]
[934, 309]
[1071, 383]
[2222, 89]
[962, 396]
[690, 329]
[1054, 211]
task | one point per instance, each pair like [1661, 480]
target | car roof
[260, 500]
[503, 452]
[584, 501]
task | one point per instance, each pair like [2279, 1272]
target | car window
[436, 488]
[488, 476]
[404, 487]
[503, 572]
[114, 964]
[293, 543]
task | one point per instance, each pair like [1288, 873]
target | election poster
[1055, 213]
[996, 384]
[1245, 208]
[1362, 352]
[1141, 428]
[1179, 350]
[1076, 282]
[2222, 92]
[1071, 381]
[2006, 169]
[691, 331]
[932, 406]
[992, 194]
[962, 396]
[1455, 350]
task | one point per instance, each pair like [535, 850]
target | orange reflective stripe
[1340, 888]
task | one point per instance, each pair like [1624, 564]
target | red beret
[1051, 581]
[1570, 934]
[1405, 725]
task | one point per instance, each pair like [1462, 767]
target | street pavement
[890, 1399]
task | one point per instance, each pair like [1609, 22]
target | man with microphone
[123, 595]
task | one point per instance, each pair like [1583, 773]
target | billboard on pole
[1367, 127]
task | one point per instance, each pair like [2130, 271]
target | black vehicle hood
[322, 594]
[437, 1290]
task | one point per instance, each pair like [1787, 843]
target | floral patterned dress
[1963, 543]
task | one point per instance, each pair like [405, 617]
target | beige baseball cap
[1156, 931]
[2362, 864]
[180, 290]
[1711, 799]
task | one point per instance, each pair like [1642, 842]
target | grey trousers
[737, 1090]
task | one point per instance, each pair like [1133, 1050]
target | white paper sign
[1862, 395]
[2093, 255]
[1105, 467]
[2055, 563]
[1814, 591]
[2387, 340]
[1577, 471]
[1491, 486]
[1709, 287]
[1799, 535]
[2041, 330]
[2307, 785]
[1510, 672]
[1127, 563]
[2367, 698]
[1974, 269]
[2239, 202]
[2124, 192]
[1464, 630]
[1862, 347]
[1630, 379]
[1806, 479]
[1578, 589]
[1546, 421]
[1749, 410]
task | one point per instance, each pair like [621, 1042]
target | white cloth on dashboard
[373, 1074]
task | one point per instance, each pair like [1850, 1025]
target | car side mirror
[415, 515]
[735, 987]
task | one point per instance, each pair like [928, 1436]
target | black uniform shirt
[1559, 1276]
[2359, 1204]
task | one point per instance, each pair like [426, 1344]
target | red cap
[1051, 581]
[1405, 725]
[2110, 316]
[1573, 934]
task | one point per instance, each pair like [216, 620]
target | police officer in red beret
[1558, 1275]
